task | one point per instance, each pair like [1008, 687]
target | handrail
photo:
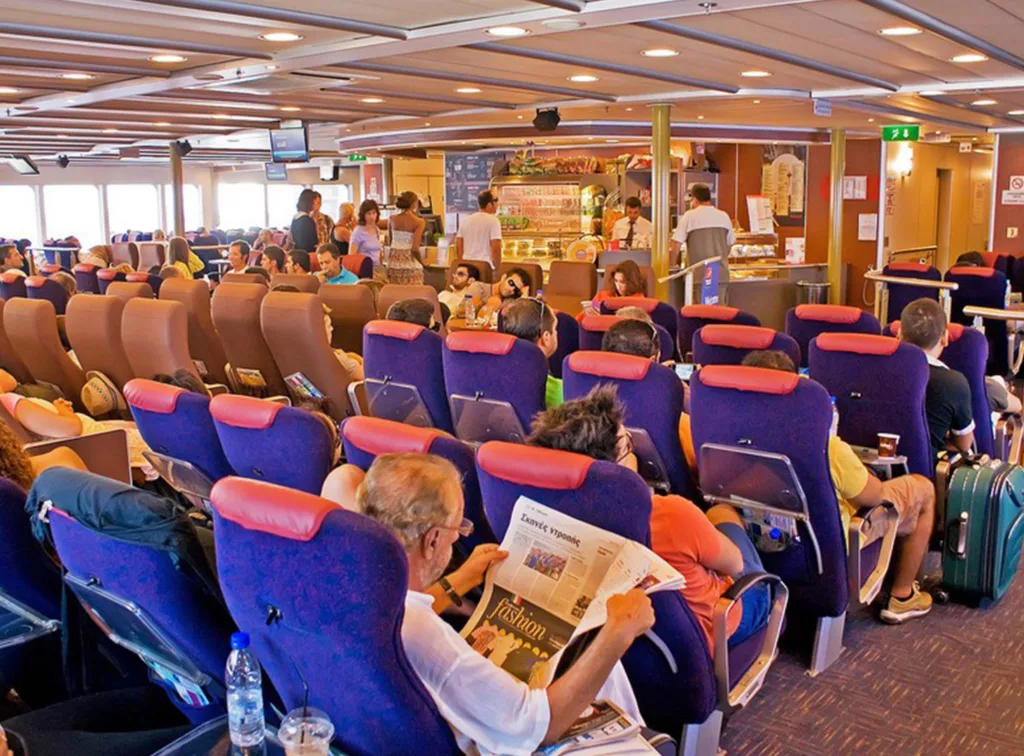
[922, 283]
[991, 313]
[980, 314]
[926, 248]
[54, 249]
[686, 271]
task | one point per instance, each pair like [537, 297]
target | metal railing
[925, 254]
[981, 314]
[687, 273]
[882, 283]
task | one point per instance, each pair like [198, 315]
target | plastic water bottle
[834, 431]
[470, 310]
[245, 694]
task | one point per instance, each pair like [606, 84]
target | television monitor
[328, 173]
[276, 171]
[23, 165]
[289, 145]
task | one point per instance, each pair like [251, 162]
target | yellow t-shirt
[849, 476]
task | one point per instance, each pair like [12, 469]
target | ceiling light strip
[600, 65]
[871, 107]
[67, 65]
[720, 40]
[342, 88]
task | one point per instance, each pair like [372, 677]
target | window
[334, 195]
[193, 207]
[73, 210]
[241, 205]
[132, 207]
[19, 218]
[281, 201]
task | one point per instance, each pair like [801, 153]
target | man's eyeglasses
[464, 528]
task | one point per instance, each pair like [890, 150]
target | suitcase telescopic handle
[956, 536]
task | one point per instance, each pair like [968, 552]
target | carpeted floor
[948, 683]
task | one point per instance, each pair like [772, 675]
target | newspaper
[553, 586]
[601, 726]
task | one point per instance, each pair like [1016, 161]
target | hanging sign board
[759, 208]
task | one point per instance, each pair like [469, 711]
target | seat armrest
[867, 526]
[1008, 437]
[355, 391]
[216, 389]
[730, 699]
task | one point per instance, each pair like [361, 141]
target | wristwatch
[449, 591]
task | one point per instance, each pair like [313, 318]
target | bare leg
[341, 486]
[914, 547]
[724, 513]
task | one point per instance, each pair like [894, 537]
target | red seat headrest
[394, 329]
[910, 267]
[610, 365]
[858, 343]
[264, 507]
[990, 258]
[84, 268]
[599, 323]
[759, 380]
[377, 436]
[970, 270]
[534, 466]
[737, 336]
[647, 304]
[152, 396]
[137, 277]
[825, 313]
[10, 277]
[107, 274]
[244, 411]
[48, 268]
[35, 282]
[480, 342]
[956, 330]
[710, 312]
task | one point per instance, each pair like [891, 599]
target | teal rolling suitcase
[984, 528]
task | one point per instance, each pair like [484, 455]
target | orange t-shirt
[684, 537]
[686, 441]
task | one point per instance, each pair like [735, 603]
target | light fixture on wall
[904, 162]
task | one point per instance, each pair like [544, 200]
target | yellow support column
[837, 168]
[661, 211]
[177, 190]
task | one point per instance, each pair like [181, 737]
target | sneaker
[898, 611]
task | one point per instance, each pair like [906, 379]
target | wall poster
[783, 179]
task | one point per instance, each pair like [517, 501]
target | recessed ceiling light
[612, 141]
[63, 136]
[583, 78]
[755, 74]
[564, 24]
[629, 110]
[9, 90]
[109, 131]
[291, 108]
[280, 37]
[77, 76]
[70, 102]
[468, 90]
[590, 139]
[982, 102]
[168, 58]
[221, 116]
[507, 31]
[1016, 112]
[968, 58]
[871, 120]
[372, 100]
[931, 93]
[660, 52]
[427, 123]
[700, 118]
[519, 117]
[899, 31]
[161, 123]
[757, 102]
[270, 67]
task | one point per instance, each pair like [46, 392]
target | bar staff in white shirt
[634, 226]
[479, 236]
[419, 497]
[707, 233]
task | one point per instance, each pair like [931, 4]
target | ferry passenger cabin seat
[689, 699]
[256, 434]
[804, 322]
[900, 295]
[404, 375]
[303, 282]
[125, 252]
[31, 326]
[693, 317]
[38, 287]
[235, 309]
[294, 569]
[391, 293]
[879, 384]
[646, 270]
[352, 307]
[293, 326]
[730, 344]
[12, 285]
[652, 395]
[753, 411]
[155, 337]
[366, 438]
[570, 284]
[153, 281]
[361, 266]
[9, 359]
[125, 290]
[107, 276]
[48, 270]
[487, 274]
[661, 313]
[593, 328]
[85, 278]
[983, 287]
[132, 585]
[204, 342]
[151, 254]
[568, 341]
[255, 278]
[93, 326]
[495, 385]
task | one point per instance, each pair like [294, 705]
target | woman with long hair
[627, 281]
[181, 256]
[346, 224]
[303, 230]
[324, 224]
[366, 236]
[100, 255]
[406, 229]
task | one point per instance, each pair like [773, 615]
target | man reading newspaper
[419, 498]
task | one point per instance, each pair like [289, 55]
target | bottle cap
[239, 641]
[832, 399]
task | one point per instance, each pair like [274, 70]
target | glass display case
[539, 204]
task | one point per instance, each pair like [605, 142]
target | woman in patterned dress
[406, 230]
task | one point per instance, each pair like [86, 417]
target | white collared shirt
[641, 227]
[489, 710]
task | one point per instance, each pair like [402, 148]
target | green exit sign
[902, 133]
[357, 158]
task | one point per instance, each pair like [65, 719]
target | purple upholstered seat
[48, 270]
[730, 344]
[693, 317]
[366, 438]
[408, 355]
[653, 397]
[568, 341]
[65, 257]
[879, 384]
[806, 321]
[495, 384]
[37, 287]
[593, 328]
[12, 285]
[360, 265]
[85, 279]
[177, 423]
[268, 441]
[900, 295]
[321, 591]
[983, 287]
[661, 313]
[154, 281]
[967, 352]
[107, 276]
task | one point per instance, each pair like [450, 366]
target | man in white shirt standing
[634, 230]
[479, 236]
[707, 234]
[419, 498]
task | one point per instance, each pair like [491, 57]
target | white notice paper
[855, 187]
[867, 227]
[795, 250]
[1012, 197]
